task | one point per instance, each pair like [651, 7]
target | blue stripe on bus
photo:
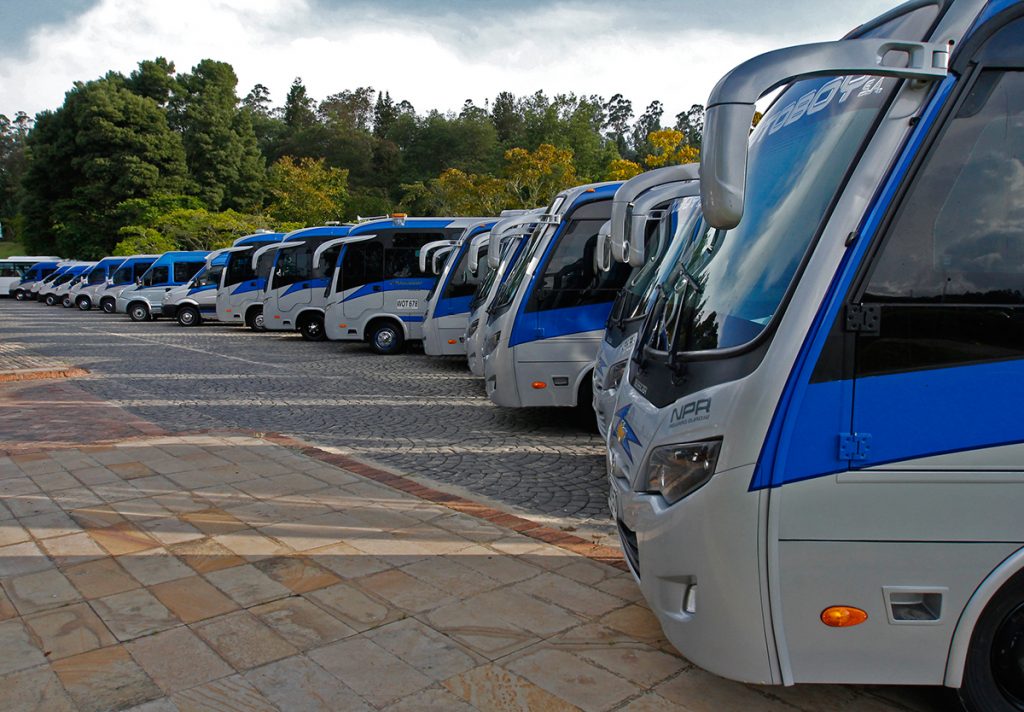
[792, 419]
[411, 284]
[412, 319]
[320, 283]
[250, 286]
[204, 288]
[534, 326]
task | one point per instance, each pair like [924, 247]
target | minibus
[14, 269]
[95, 282]
[239, 295]
[142, 302]
[21, 289]
[816, 465]
[379, 285]
[34, 289]
[196, 301]
[126, 275]
[546, 321]
[52, 293]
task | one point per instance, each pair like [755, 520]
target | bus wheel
[108, 305]
[189, 316]
[20, 295]
[254, 319]
[66, 303]
[84, 303]
[994, 673]
[138, 312]
[50, 300]
[386, 338]
[312, 328]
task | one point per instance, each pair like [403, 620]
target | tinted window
[363, 264]
[294, 264]
[9, 269]
[325, 267]
[97, 276]
[156, 275]
[208, 276]
[459, 284]
[264, 263]
[239, 268]
[569, 278]
[142, 267]
[184, 271]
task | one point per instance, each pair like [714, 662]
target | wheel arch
[383, 316]
[958, 647]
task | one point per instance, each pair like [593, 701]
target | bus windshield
[517, 270]
[728, 292]
[239, 267]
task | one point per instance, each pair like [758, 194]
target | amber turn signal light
[538, 385]
[843, 616]
[452, 341]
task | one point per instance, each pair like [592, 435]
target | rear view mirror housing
[731, 105]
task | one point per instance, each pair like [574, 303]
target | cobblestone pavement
[412, 413]
[204, 572]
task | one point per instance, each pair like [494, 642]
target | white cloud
[433, 62]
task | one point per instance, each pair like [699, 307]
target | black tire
[84, 303]
[994, 673]
[66, 303]
[50, 300]
[254, 319]
[188, 315]
[108, 305]
[138, 311]
[386, 338]
[20, 295]
[312, 327]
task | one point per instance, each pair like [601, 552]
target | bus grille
[629, 546]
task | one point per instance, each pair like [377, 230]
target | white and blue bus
[817, 464]
[53, 292]
[644, 233]
[507, 239]
[38, 271]
[380, 284]
[127, 274]
[96, 281]
[294, 294]
[546, 321]
[447, 309]
[143, 301]
[196, 301]
[240, 293]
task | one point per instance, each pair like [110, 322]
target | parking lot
[419, 415]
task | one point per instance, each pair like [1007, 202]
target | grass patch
[10, 248]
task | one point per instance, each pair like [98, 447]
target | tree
[257, 100]
[105, 145]
[458, 193]
[621, 169]
[306, 191]
[618, 111]
[384, 115]
[691, 124]
[348, 110]
[298, 106]
[220, 144]
[670, 149]
[646, 124]
[154, 79]
[13, 136]
[535, 176]
[507, 118]
[139, 240]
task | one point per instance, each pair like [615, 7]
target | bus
[505, 243]
[53, 293]
[817, 462]
[34, 289]
[239, 295]
[447, 309]
[196, 301]
[14, 269]
[294, 294]
[546, 321]
[642, 234]
[127, 274]
[143, 301]
[21, 289]
[380, 285]
[95, 282]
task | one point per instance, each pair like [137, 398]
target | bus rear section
[296, 290]
[143, 301]
[379, 286]
[545, 327]
[239, 295]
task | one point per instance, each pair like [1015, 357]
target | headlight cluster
[492, 343]
[613, 377]
[675, 471]
[472, 328]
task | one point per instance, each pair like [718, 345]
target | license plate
[407, 304]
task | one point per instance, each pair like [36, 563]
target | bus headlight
[472, 328]
[613, 377]
[492, 343]
[674, 471]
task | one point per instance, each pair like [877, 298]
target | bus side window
[401, 262]
[184, 271]
[949, 279]
[9, 269]
[325, 267]
[363, 264]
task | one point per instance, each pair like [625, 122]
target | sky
[435, 54]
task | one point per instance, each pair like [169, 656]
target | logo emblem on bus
[624, 433]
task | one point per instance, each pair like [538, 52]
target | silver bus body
[126, 275]
[86, 296]
[14, 270]
[143, 301]
[816, 462]
[195, 301]
[240, 294]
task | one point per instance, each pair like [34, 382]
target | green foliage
[201, 229]
[307, 191]
[140, 240]
[10, 248]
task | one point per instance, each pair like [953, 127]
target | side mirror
[603, 252]
[730, 108]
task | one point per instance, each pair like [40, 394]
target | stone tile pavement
[227, 572]
[19, 364]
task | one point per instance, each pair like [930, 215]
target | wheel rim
[313, 328]
[258, 321]
[85, 305]
[187, 318]
[108, 308]
[1008, 657]
[385, 339]
[139, 313]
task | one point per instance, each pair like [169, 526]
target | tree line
[161, 159]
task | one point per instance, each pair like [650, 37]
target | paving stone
[12, 533]
[404, 591]
[103, 577]
[176, 659]
[297, 573]
[297, 684]
[353, 607]
[243, 640]
[251, 545]
[301, 623]
[133, 614]
[229, 694]
[17, 648]
[490, 687]
[37, 592]
[22, 558]
[72, 549]
[247, 585]
[154, 566]
[192, 599]
[123, 538]
[433, 654]
[206, 555]
[572, 679]
[105, 679]
[431, 700]
[34, 690]
[363, 665]
[69, 630]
